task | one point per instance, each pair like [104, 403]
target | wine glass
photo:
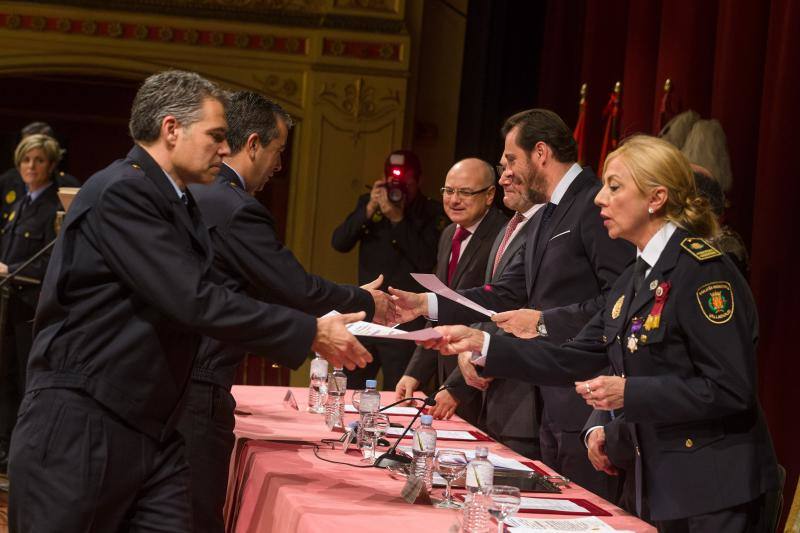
[356, 399]
[451, 465]
[375, 426]
[504, 501]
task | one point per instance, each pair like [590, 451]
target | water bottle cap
[481, 451]
[426, 419]
[371, 384]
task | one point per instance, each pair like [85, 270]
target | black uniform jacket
[247, 249]
[565, 270]
[470, 272]
[394, 250]
[690, 391]
[12, 189]
[128, 292]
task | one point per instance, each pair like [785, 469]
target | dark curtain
[735, 61]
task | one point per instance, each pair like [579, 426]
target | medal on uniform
[654, 318]
[615, 311]
[633, 341]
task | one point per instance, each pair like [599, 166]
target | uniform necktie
[512, 225]
[25, 203]
[455, 252]
[639, 274]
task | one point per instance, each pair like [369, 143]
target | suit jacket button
[27, 234]
[689, 443]
[622, 375]
[605, 339]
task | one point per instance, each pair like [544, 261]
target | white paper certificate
[550, 504]
[369, 329]
[435, 285]
[552, 525]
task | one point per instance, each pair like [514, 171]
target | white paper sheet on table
[551, 504]
[497, 460]
[440, 433]
[434, 284]
[369, 329]
[558, 525]
[396, 410]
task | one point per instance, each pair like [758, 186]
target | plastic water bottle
[334, 407]
[317, 387]
[424, 448]
[480, 476]
[480, 471]
[370, 403]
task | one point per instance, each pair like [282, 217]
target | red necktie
[512, 225]
[455, 252]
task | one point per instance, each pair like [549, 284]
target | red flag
[580, 128]
[611, 135]
[664, 108]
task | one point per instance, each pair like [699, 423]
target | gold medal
[11, 196]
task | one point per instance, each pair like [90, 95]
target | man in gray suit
[464, 247]
[511, 409]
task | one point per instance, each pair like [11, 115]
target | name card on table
[552, 525]
[289, 401]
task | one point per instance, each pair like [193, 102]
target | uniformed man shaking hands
[129, 289]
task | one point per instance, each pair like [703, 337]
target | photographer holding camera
[398, 230]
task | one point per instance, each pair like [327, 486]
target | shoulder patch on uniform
[716, 301]
[11, 196]
[700, 249]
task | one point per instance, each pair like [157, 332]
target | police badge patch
[716, 301]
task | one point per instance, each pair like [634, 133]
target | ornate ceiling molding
[117, 29]
[377, 16]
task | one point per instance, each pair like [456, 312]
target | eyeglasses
[500, 170]
[464, 193]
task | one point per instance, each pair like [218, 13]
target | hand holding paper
[434, 284]
[454, 340]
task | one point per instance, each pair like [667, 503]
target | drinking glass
[356, 399]
[375, 426]
[451, 465]
[503, 502]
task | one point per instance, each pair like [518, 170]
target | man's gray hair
[170, 93]
[249, 112]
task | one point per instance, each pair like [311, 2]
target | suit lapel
[468, 255]
[658, 273]
[511, 250]
[542, 240]
[156, 174]
[445, 244]
[487, 276]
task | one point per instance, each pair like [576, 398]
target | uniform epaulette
[700, 249]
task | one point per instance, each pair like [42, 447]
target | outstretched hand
[334, 343]
[408, 305]
[384, 304]
[521, 322]
[455, 339]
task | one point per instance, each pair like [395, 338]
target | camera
[395, 171]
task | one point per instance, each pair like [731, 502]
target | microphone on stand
[391, 458]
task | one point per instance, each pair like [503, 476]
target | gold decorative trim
[116, 29]
[359, 100]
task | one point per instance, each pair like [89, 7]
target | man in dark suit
[129, 290]
[247, 249]
[559, 278]
[511, 409]
[464, 247]
[396, 229]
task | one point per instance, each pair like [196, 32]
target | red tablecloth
[282, 487]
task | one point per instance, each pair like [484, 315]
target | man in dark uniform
[398, 230]
[12, 188]
[247, 249]
[128, 292]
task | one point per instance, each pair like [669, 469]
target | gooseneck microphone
[391, 458]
